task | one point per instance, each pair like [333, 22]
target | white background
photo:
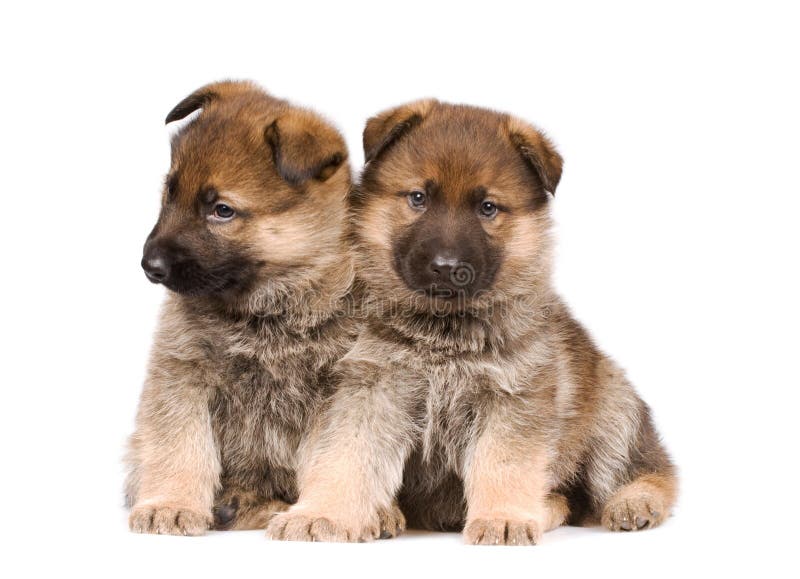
[678, 247]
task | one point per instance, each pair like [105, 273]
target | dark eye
[223, 212]
[416, 199]
[488, 209]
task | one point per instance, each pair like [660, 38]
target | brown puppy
[471, 392]
[251, 243]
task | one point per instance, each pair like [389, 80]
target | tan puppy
[251, 244]
[471, 392]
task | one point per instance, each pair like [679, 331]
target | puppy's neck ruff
[490, 330]
[297, 303]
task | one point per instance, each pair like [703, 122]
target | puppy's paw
[304, 526]
[633, 512]
[168, 520]
[502, 532]
[247, 513]
[392, 522]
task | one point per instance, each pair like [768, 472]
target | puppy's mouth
[230, 279]
[205, 288]
[438, 292]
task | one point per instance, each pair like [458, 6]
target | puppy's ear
[538, 152]
[388, 127]
[204, 95]
[304, 146]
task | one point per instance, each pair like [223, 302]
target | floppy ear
[388, 127]
[206, 94]
[304, 146]
[537, 151]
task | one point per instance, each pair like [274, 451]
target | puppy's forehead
[216, 152]
[460, 148]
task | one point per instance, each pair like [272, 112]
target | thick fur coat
[472, 394]
[251, 242]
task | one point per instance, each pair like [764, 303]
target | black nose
[155, 267]
[448, 270]
[442, 266]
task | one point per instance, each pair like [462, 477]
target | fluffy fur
[478, 401]
[260, 309]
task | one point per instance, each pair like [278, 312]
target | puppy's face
[453, 202]
[255, 192]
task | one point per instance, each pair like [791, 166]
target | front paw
[392, 522]
[305, 526]
[489, 531]
[168, 520]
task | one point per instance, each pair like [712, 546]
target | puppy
[471, 391]
[250, 242]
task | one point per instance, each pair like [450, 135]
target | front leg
[175, 467]
[506, 486]
[352, 465]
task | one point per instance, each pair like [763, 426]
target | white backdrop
[678, 247]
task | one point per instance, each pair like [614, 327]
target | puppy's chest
[454, 395]
[264, 401]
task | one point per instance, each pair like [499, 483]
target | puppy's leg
[175, 463]
[630, 476]
[506, 488]
[647, 500]
[352, 465]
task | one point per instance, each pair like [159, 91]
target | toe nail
[625, 526]
[641, 522]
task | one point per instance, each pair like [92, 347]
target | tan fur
[178, 465]
[354, 508]
[505, 486]
[236, 377]
[643, 503]
[498, 415]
